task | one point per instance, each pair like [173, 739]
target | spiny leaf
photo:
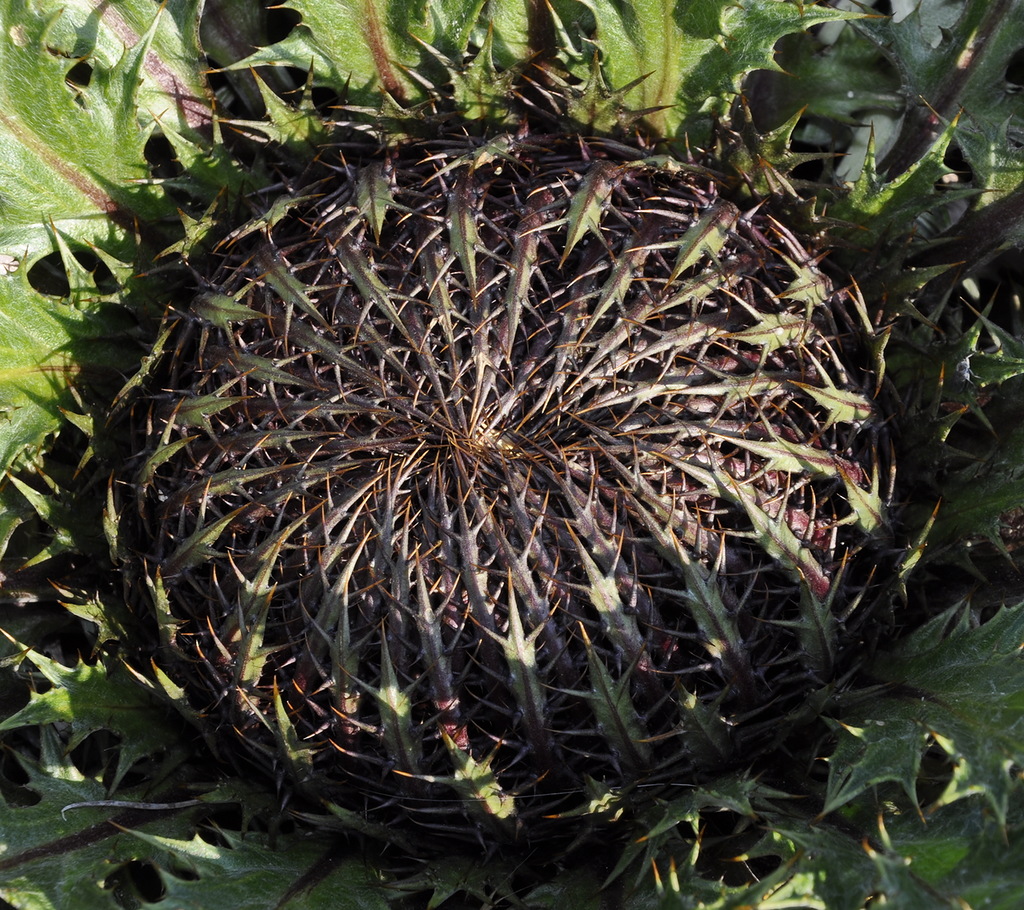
[877, 205]
[868, 755]
[54, 859]
[369, 47]
[374, 196]
[527, 685]
[395, 708]
[962, 854]
[675, 64]
[302, 875]
[688, 60]
[965, 690]
[952, 57]
[463, 231]
[89, 698]
[49, 133]
[705, 237]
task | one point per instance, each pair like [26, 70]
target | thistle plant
[578, 430]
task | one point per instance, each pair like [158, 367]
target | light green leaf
[963, 854]
[694, 55]
[588, 204]
[475, 781]
[368, 47]
[45, 345]
[616, 715]
[72, 145]
[680, 62]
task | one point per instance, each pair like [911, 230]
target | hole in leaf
[934, 777]
[726, 839]
[68, 644]
[325, 98]
[146, 879]
[102, 277]
[817, 137]
[227, 41]
[19, 797]
[96, 753]
[281, 22]
[11, 770]
[999, 294]
[26, 743]
[49, 277]
[955, 160]
[135, 884]
[288, 82]
[14, 695]
[79, 75]
[13, 783]
[229, 102]
[162, 160]
[812, 171]
[212, 826]
[1015, 70]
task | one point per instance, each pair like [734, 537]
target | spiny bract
[485, 475]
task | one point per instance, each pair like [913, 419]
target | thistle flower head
[492, 467]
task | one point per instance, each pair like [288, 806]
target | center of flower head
[483, 439]
[553, 469]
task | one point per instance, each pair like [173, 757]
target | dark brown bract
[484, 478]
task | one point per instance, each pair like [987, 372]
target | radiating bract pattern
[487, 475]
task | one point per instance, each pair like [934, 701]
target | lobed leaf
[965, 691]
[72, 148]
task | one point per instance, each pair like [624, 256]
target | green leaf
[251, 872]
[66, 846]
[878, 206]
[963, 854]
[45, 346]
[81, 91]
[72, 146]
[691, 57]
[88, 699]
[965, 691]
[679, 63]
[476, 782]
[368, 47]
[953, 60]
[876, 751]
[51, 859]
[950, 57]
[588, 204]
[616, 715]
